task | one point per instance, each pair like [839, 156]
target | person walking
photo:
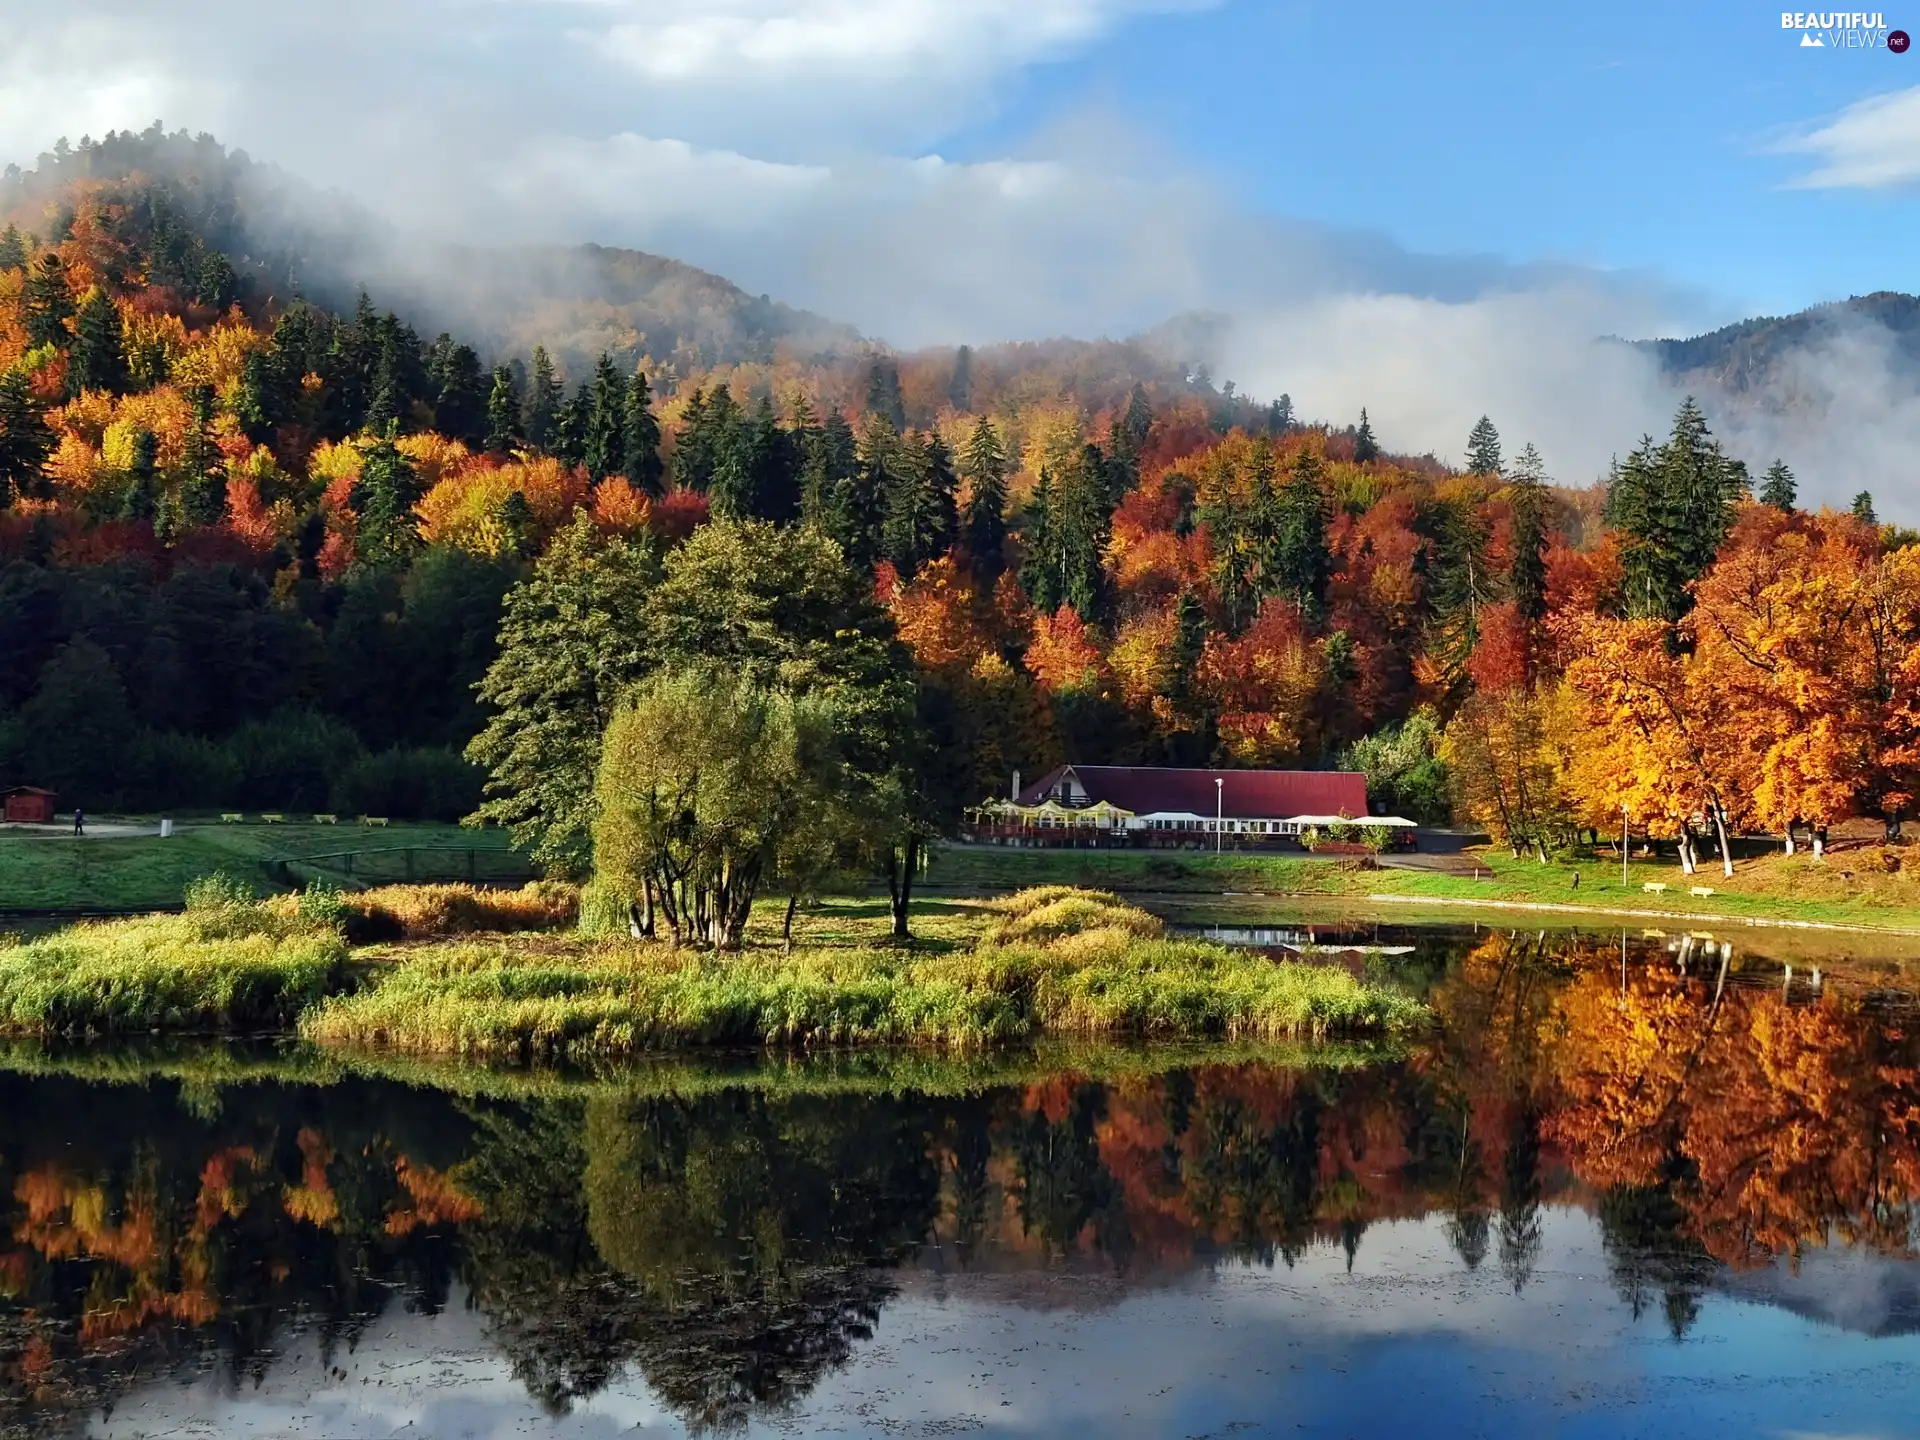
[79, 821]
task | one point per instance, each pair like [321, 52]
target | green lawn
[1772, 889]
[146, 872]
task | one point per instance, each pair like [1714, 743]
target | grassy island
[479, 973]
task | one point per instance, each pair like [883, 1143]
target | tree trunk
[1894, 820]
[1790, 825]
[786, 928]
[1819, 844]
[901, 864]
[1726, 852]
[646, 920]
[1686, 851]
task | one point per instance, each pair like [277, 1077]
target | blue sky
[1628, 136]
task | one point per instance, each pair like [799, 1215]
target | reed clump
[1054, 962]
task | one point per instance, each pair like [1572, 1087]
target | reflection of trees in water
[732, 1246]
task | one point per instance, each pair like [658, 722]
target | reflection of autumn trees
[733, 1245]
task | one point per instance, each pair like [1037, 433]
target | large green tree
[1673, 504]
[572, 642]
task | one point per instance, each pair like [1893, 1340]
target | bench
[231, 817]
[326, 819]
[274, 819]
[1701, 892]
[372, 820]
[1655, 887]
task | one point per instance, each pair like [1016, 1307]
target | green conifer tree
[503, 413]
[640, 440]
[960, 385]
[1863, 508]
[544, 394]
[1365, 448]
[1673, 505]
[983, 466]
[25, 441]
[45, 301]
[383, 499]
[97, 360]
[1483, 448]
[1527, 541]
[606, 436]
[883, 392]
[1777, 487]
[140, 500]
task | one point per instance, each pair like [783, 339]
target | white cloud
[1871, 145]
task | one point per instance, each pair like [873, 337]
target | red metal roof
[1244, 795]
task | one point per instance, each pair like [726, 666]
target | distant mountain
[1764, 359]
[289, 239]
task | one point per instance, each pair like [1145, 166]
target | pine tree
[503, 413]
[883, 392]
[1863, 508]
[1068, 522]
[45, 301]
[383, 499]
[708, 438]
[567, 438]
[13, 248]
[920, 515]
[544, 392]
[1527, 544]
[830, 464]
[1040, 568]
[97, 360]
[1777, 487]
[458, 391]
[606, 430]
[640, 440]
[960, 386]
[1460, 579]
[1483, 448]
[140, 500]
[25, 441]
[1301, 564]
[1673, 504]
[516, 518]
[1365, 447]
[984, 468]
[1280, 415]
[203, 484]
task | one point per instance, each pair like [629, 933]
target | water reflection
[1587, 1161]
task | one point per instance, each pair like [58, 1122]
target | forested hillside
[260, 552]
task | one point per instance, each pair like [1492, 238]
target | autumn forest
[257, 546]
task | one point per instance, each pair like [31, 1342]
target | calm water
[1600, 1201]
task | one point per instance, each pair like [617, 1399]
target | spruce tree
[984, 468]
[25, 441]
[1069, 521]
[606, 429]
[567, 441]
[13, 248]
[921, 517]
[383, 499]
[960, 386]
[45, 301]
[544, 392]
[140, 500]
[1527, 545]
[708, 439]
[883, 392]
[1673, 505]
[458, 391]
[203, 483]
[831, 461]
[1777, 487]
[1863, 508]
[97, 360]
[1039, 567]
[503, 412]
[1280, 416]
[1301, 563]
[640, 440]
[1365, 447]
[1483, 448]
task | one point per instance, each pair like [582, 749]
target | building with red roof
[1144, 805]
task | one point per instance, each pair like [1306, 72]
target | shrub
[418, 912]
[425, 784]
[289, 760]
[166, 771]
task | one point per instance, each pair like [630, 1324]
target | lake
[1650, 1188]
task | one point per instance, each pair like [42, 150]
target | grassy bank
[1871, 886]
[57, 872]
[1044, 964]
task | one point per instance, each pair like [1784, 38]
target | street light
[1219, 810]
[1623, 847]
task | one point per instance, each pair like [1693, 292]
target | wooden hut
[27, 805]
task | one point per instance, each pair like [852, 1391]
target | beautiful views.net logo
[1844, 30]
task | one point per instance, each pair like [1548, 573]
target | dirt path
[105, 830]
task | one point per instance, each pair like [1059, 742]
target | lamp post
[1623, 847]
[1219, 810]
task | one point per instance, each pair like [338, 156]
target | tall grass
[1052, 963]
[227, 964]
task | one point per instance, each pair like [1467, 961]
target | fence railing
[374, 865]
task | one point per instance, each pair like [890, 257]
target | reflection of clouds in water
[1408, 1342]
